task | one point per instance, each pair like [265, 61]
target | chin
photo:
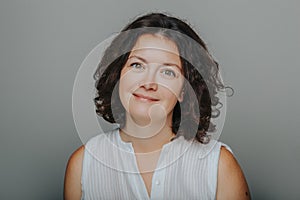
[140, 113]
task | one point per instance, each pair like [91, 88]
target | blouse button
[200, 156]
[157, 182]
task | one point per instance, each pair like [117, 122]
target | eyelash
[140, 67]
[133, 65]
[173, 74]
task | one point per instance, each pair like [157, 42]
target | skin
[231, 181]
[150, 85]
[72, 185]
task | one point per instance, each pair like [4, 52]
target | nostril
[150, 86]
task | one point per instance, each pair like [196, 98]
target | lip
[144, 97]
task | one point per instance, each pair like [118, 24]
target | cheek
[172, 89]
[127, 84]
[170, 96]
[128, 81]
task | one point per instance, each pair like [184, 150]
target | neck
[147, 138]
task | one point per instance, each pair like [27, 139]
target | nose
[149, 81]
[150, 86]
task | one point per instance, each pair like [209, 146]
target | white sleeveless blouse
[185, 170]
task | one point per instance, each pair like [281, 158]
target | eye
[169, 73]
[137, 66]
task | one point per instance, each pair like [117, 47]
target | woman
[160, 84]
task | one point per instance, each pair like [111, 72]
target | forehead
[156, 48]
[156, 42]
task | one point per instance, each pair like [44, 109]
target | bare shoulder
[231, 180]
[72, 185]
[76, 157]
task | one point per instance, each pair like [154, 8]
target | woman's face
[151, 80]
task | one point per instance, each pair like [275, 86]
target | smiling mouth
[145, 98]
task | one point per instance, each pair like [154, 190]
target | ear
[180, 97]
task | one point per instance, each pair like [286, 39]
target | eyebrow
[145, 61]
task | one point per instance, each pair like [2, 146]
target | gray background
[42, 44]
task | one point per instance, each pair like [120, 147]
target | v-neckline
[140, 177]
[140, 180]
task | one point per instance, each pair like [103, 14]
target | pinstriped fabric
[183, 171]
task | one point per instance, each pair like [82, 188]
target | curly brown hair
[200, 70]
